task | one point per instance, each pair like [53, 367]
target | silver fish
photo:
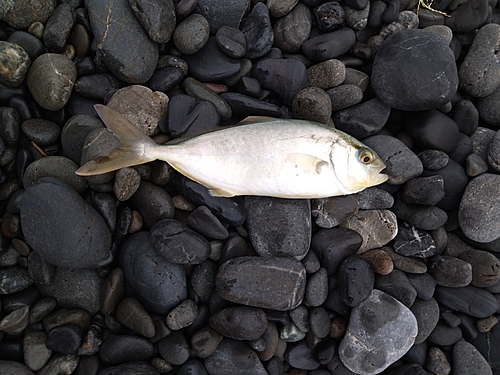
[263, 156]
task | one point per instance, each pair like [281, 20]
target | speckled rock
[15, 62]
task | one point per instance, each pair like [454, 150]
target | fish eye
[365, 157]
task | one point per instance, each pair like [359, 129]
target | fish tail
[136, 147]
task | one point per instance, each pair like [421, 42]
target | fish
[261, 156]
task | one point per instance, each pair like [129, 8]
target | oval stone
[59, 225]
[240, 323]
[380, 331]
[240, 280]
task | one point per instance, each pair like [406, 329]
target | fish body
[271, 157]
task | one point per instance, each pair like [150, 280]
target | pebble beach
[141, 271]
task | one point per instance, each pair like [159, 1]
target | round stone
[51, 79]
[15, 63]
[191, 34]
[429, 81]
[293, 29]
[312, 104]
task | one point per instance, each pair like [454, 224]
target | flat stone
[332, 211]
[413, 242]
[470, 300]
[366, 349]
[376, 227]
[356, 280]
[279, 227]
[239, 280]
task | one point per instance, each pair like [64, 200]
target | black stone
[210, 64]
[157, 17]
[153, 203]
[413, 242]
[466, 116]
[31, 44]
[96, 86]
[243, 105]
[130, 368]
[433, 159]
[397, 285]
[72, 234]
[470, 300]
[222, 13]
[463, 149]
[187, 115]
[279, 227]
[239, 280]
[284, 77]
[117, 349]
[174, 348]
[249, 86]
[323, 352]
[239, 323]
[231, 41]
[432, 129]
[423, 217]
[177, 243]
[11, 126]
[258, 32]
[204, 222]
[131, 56]
[58, 27]
[330, 45]
[65, 339]
[229, 210]
[300, 356]
[292, 30]
[329, 16]
[363, 120]
[468, 16]
[146, 272]
[424, 284]
[427, 191]
[356, 280]
[432, 66]
[334, 245]
[444, 335]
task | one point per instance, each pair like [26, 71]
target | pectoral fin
[307, 163]
[221, 193]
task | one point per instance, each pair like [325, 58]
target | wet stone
[179, 244]
[239, 280]
[285, 77]
[41, 309]
[11, 125]
[279, 227]
[480, 58]
[433, 159]
[145, 271]
[15, 62]
[244, 105]
[96, 86]
[182, 315]
[292, 30]
[376, 227]
[117, 349]
[65, 339]
[332, 246]
[401, 163]
[330, 45]
[204, 222]
[366, 349]
[20, 15]
[363, 120]
[42, 132]
[433, 66]
[157, 18]
[239, 323]
[89, 231]
[131, 56]
[201, 91]
[234, 357]
[478, 213]
[210, 64]
[356, 280]
[51, 79]
[423, 217]
[413, 242]
[15, 322]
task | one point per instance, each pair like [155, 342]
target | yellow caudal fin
[133, 150]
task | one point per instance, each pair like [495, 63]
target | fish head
[361, 167]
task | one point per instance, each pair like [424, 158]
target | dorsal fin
[254, 119]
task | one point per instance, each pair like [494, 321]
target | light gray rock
[380, 331]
